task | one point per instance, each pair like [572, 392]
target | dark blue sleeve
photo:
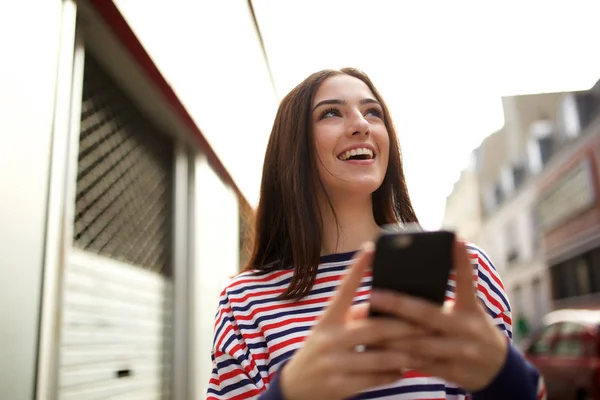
[273, 391]
[517, 380]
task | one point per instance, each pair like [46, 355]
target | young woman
[291, 326]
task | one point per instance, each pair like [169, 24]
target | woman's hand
[328, 366]
[465, 348]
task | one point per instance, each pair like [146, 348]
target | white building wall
[29, 42]
[210, 53]
[512, 224]
[463, 210]
[216, 259]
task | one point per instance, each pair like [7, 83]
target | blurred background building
[122, 224]
[529, 200]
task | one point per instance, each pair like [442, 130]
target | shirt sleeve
[235, 375]
[517, 379]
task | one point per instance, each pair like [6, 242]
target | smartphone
[414, 263]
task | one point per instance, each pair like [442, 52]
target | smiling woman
[286, 327]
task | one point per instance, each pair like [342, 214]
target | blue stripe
[401, 390]
[264, 318]
[229, 388]
[483, 255]
[287, 332]
[494, 289]
[281, 358]
[279, 283]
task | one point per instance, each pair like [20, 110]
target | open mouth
[361, 153]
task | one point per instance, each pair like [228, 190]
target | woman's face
[352, 142]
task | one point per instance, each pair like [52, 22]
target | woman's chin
[358, 188]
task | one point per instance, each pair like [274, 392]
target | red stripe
[491, 271]
[287, 343]
[274, 292]
[249, 278]
[289, 321]
[254, 313]
[489, 298]
[542, 392]
[231, 374]
[326, 279]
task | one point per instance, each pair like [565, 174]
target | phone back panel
[416, 263]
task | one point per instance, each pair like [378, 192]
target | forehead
[343, 87]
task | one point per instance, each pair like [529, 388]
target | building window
[519, 173]
[546, 148]
[539, 302]
[572, 278]
[582, 272]
[594, 262]
[512, 250]
[535, 230]
[498, 194]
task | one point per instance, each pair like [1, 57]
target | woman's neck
[354, 226]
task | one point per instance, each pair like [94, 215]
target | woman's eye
[375, 112]
[331, 112]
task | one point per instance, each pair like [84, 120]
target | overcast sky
[441, 65]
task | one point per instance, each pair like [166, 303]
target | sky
[442, 67]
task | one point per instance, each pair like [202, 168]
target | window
[594, 261]
[535, 230]
[543, 344]
[582, 273]
[539, 303]
[519, 173]
[512, 250]
[569, 343]
[518, 299]
[546, 145]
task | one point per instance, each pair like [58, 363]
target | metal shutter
[116, 336]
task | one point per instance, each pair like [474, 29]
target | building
[120, 214]
[509, 165]
[463, 207]
[569, 211]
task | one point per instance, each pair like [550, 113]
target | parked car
[567, 353]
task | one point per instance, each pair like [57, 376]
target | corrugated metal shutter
[117, 294]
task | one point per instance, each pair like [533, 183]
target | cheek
[324, 146]
[384, 147]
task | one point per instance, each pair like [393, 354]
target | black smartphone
[414, 263]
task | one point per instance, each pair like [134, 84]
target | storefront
[121, 223]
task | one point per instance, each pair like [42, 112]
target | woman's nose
[359, 125]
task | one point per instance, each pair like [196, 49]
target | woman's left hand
[465, 347]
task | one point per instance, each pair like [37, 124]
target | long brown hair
[288, 225]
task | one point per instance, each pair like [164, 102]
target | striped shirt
[255, 330]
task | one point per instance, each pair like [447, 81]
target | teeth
[356, 152]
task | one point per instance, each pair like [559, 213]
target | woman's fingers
[373, 331]
[427, 315]
[465, 290]
[359, 382]
[436, 348]
[337, 312]
[377, 360]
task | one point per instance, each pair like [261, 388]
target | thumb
[344, 296]
[466, 297]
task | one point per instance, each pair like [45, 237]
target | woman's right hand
[328, 366]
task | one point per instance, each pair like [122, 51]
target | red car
[567, 353]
